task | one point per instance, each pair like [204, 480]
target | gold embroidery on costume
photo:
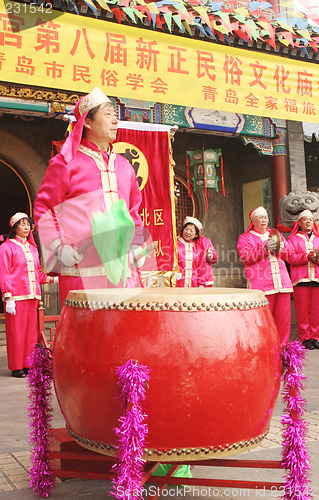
[26, 297]
[262, 236]
[108, 176]
[86, 272]
[188, 262]
[309, 248]
[274, 265]
[31, 270]
[275, 271]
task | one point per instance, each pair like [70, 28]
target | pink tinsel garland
[132, 430]
[295, 458]
[40, 413]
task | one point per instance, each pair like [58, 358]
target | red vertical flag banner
[150, 154]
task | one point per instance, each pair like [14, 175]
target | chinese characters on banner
[77, 53]
[149, 154]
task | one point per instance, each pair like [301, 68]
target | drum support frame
[70, 460]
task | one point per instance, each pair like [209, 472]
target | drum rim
[167, 299]
[174, 454]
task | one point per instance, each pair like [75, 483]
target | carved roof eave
[34, 93]
[60, 104]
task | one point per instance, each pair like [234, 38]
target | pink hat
[82, 107]
[16, 217]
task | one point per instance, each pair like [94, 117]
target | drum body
[214, 356]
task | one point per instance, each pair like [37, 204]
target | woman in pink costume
[20, 278]
[265, 268]
[191, 255]
[303, 258]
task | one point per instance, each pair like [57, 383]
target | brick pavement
[15, 466]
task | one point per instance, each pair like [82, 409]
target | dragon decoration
[221, 22]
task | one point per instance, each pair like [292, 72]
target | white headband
[193, 220]
[16, 217]
[93, 99]
[305, 213]
[257, 212]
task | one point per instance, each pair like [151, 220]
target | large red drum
[215, 363]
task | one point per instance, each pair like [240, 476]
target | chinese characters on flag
[149, 154]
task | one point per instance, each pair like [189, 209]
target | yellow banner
[70, 52]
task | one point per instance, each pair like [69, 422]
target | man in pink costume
[20, 278]
[303, 258]
[191, 255]
[266, 270]
[211, 258]
[86, 177]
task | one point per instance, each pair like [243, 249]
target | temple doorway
[14, 195]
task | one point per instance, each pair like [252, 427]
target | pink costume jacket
[301, 269]
[20, 271]
[264, 271]
[207, 244]
[191, 263]
[72, 192]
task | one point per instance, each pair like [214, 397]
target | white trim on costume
[30, 266]
[188, 261]
[309, 248]
[108, 176]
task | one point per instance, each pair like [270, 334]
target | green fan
[112, 234]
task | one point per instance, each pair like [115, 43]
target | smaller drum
[214, 356]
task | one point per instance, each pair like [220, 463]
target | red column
[279, 184]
